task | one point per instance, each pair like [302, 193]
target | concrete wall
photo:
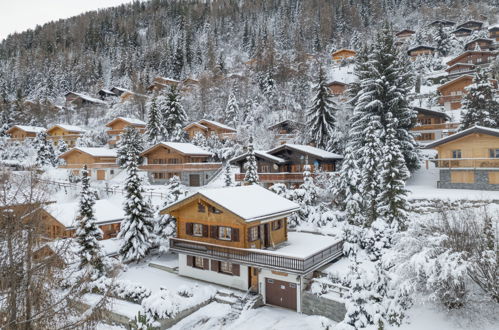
[238, 282]
[266, 273]
[315, 305]
[481, 181]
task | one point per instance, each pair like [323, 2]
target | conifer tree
[321, 115]
[62, 147]
[479, 105]
[231, 111]
[45, 155]
[174, 117]
[154, 129]
[442, 40]
[131, 143]
[87, 233]
[358, 299]
[251, 176]
[228, 176]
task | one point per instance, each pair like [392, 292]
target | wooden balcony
[472, 163]
[432, 127]
[90, 165]
[185, 167]
[450, 98]
[276, 177]
[256, 258]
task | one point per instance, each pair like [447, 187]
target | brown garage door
[101, 174]
[194, 180]
[280, 293]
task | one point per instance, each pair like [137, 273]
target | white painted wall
[267, 273]
[238, 282]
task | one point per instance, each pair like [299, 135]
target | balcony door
[265, 235]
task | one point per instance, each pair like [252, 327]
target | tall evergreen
[130, 143]
[45, 154]
[174, 117]
[321, 115]
[154, 129]
[442, 41]
[231, 111]
[228, 176]
[479, 104]
[87, 233]
[251, 176]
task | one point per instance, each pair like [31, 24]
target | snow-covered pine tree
[175, 190]
[62, 147]
[231, 111]
[321, 114]
[154, 128]
[175, 117]
[442, 41]
[357, 301]
[251, 176]
[228, 176]
[130, 144]
[87, 233]
[479, 105]
[45, 154]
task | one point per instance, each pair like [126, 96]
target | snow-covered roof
[460, 64]
[494, 27]
[251, 203]
[168, 79]
[420, 47]
[471, 130]
[104, 211]
[70, 128]
[470, 21]
[196, 124]
[479, 39]
[320, 153]
[29, 129]
[106, 91]
[345, 74]
[453, 81]
[405, 31]
[216, 123]
[131, 121]
[182, 147]
[461, 29]
[286, 121]
[87, 97]
[469, 52]
[431, 112]
[94, 152]
[261, 154]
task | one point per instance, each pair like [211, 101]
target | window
[456, 154]
[201, 208]
[197, 229]
[253, 233]
[214, 210]
[198, 262]
[276, 225]
[425, 121]
[224, 233]
[494, 153]
[225, 267]
[264, 169]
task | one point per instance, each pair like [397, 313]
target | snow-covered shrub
[185, 291]
[130, 291]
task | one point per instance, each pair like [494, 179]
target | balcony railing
[181, 167]
[275, 177]
[467, 162]
[430, 127]
[264, 258]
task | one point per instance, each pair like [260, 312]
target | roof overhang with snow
[430, 112]
[471, 130]
[187, 149]
[453, 81]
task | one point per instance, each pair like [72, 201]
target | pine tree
[442, 41]
[358, 300]
[231, 111]
[228, 176]
[154, 129]
[321, 115]
[174, 117]
[175, 190]
[45, 154]
[131, 143]
[479, 104]
[62, 147]
[87, 233]
[251, 176]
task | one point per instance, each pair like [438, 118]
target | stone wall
[315, 305]
[481, 181]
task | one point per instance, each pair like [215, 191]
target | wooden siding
[493, 177]
[19, 134]
[471, 146]
[462, 177]
[164, 155]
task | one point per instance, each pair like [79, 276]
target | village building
[101, 162]
[66, 133]
[472, 25]
[80, 100]
[460, 69]
[23, 132]
[469, 159]
[462, 32]
[105, 93]
[118, 125]
[452, 92]
[494, 32]
[60, 218]
[480, 44]
[337, 88]
[160, 83]
[286, 130]
[404, 34]
[342, 54]
[208, 127]
[286, 163]
[224, 239]
[444, 23]
[421, 51]
[432, 125]
[476, 57]
[187, 161]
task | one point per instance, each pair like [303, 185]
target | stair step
[226, 299]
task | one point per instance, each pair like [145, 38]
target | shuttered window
[253, 233]
[226, 267]
[197, 229]
[225, 233]
[276, 225]
[199, 262]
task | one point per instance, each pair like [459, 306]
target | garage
[101, 175]
[280, 293]
[194, 180]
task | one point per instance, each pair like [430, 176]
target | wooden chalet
[480, 44]
[337, 88]
[238, 237]
[66, 133]
[404, 34]
[476, 57]
[81, 100]
[285, 164]
[23, 132]
[469, 159]
[421, 51]
[342, 54]
[118, 125]
[101, 162]
[462, 32]
[208, 127]
[185, 160]
[452, 92]
[286, 130]
[60, 218]
[459, 69]
[494, 32]
[472, 25]
[160, 83]
[432, 125]
[442, 22]
[105, 93]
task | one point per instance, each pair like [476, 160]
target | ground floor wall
[98, 173]
[477, 179]
[190, 178]
[316, 305]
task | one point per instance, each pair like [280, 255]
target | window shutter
[205, 230]
[215, 265]
[236, 270]
[235, 234]
[206, 264]
[249, 235]
[188, 228]
[190, 261]
[214, 231]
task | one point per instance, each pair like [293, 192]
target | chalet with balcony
[66, 133]
[452, 92]
[160, 83]
[469, 159]
[432, 125]
[208, 127]
[462, 32]
[342, 54]
[460, 69]
[223, 238]
[189, 162]
[118, 125]
[285, 164]
[404, 34]
[80, 100]
[476, 57]
[494, 32]
[22, 132]
[480, 44]
[472, 25]
[286, 130]
[101, 162]
[421, 51]
[60, 218]
[444, 23]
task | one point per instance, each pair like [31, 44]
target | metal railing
[264, 258]
[467, 162]
[181, 167]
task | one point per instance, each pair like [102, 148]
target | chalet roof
[342, 50]
[69, 128]
[453, 81]
[242, 201]
[442, 21]
[216, 123]
[460, 64]
[286, 121]
[94, 152]
[182, 147]
[261, 154]
[471, 130]
[462, 29]
[86, 97]
[106, 91]
[104, 211]
[405, 31]
[469, 52]
[131, 121]
[167, 79]
[196, 124]
[468, 22]
[420, 47]
[430, 112]
[319, 153]
[29, 129]
[480, 39]
[493, 27]
[336, 82]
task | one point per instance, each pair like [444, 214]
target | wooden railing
[467, 162]
[264, 258]
[181, 167]
[436, 127]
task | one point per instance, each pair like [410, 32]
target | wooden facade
[459, 69]
[494, 33]
[209, 127]
[21, 133]
[160, 83]
[451, 93]
[473, 57]
[286, 130]
[117, 126]
[421, 51]
[81, 100]
[101, 163]
[471, 24]
[480, 44]
[337, 88]
[404, 34]
[342, 54]
[68, 134]
[462, 32]
[432, 125]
